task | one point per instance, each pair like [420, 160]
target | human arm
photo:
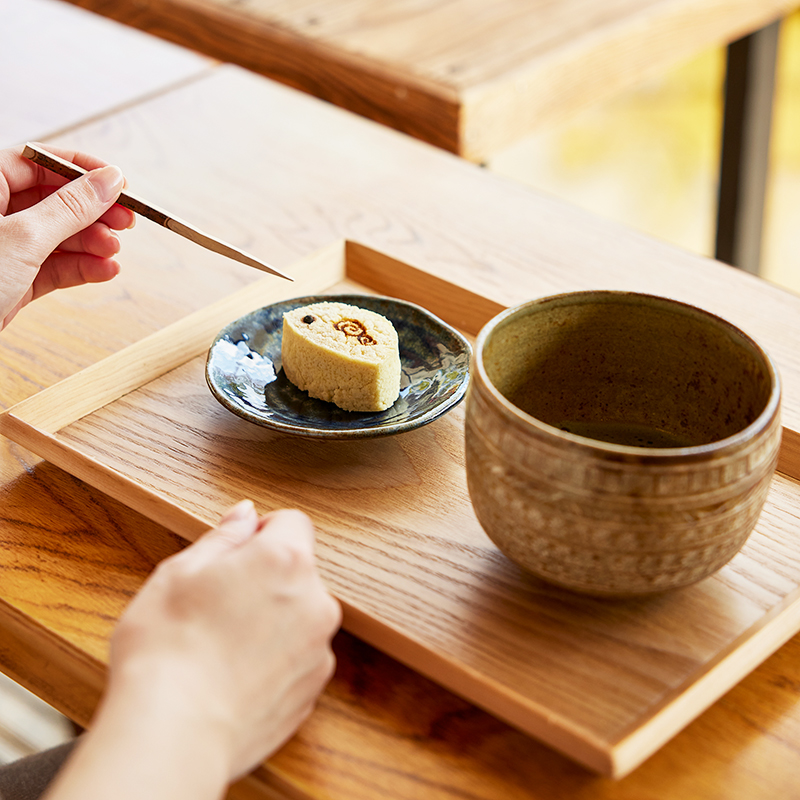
[214, 665]
[55, 234]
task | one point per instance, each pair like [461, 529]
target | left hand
[55, 234]
[233, 633]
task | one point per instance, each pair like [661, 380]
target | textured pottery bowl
[619, 443]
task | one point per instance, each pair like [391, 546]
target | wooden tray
[606, 682]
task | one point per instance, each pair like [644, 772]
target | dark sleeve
[27, 778]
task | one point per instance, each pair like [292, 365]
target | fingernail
[241, 511]
[107, 182]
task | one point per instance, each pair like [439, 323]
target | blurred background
[650, 158]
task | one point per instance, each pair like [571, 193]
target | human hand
[232, 633]
[55, 234]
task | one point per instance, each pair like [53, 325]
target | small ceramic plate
[244, 373]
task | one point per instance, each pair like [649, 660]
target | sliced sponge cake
[342, 354]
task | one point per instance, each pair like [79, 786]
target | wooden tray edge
[33, 423]
[168, 348]
[782, 622]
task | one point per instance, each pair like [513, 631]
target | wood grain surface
[59, 90]
[438, 214]
[71, 557]
[606, 682]
[466, 75]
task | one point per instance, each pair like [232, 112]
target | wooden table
[473, 76]
[283, 176]
[466, 75]
[47, 100]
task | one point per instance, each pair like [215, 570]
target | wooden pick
[69, 170]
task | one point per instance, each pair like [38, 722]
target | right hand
[54, 233]
[237, 628]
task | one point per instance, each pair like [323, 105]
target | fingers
[244, 615]
[117, 217]
[21, 173]
[68, 211]
[98, 240]
[297, 706]
[62, 270]
[285, 543]
[288, 537]
[237, 525]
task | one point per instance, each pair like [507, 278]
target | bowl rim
[622, 451]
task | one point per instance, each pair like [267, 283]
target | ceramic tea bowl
[618, 443]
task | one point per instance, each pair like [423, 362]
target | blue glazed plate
[243, 371]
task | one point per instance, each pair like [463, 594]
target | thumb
[237, 525]
[75, 206]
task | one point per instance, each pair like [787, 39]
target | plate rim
[425, 418]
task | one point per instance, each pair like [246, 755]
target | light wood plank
[466, 75]
[49, 90]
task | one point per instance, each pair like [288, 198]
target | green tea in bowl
[619, 443]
